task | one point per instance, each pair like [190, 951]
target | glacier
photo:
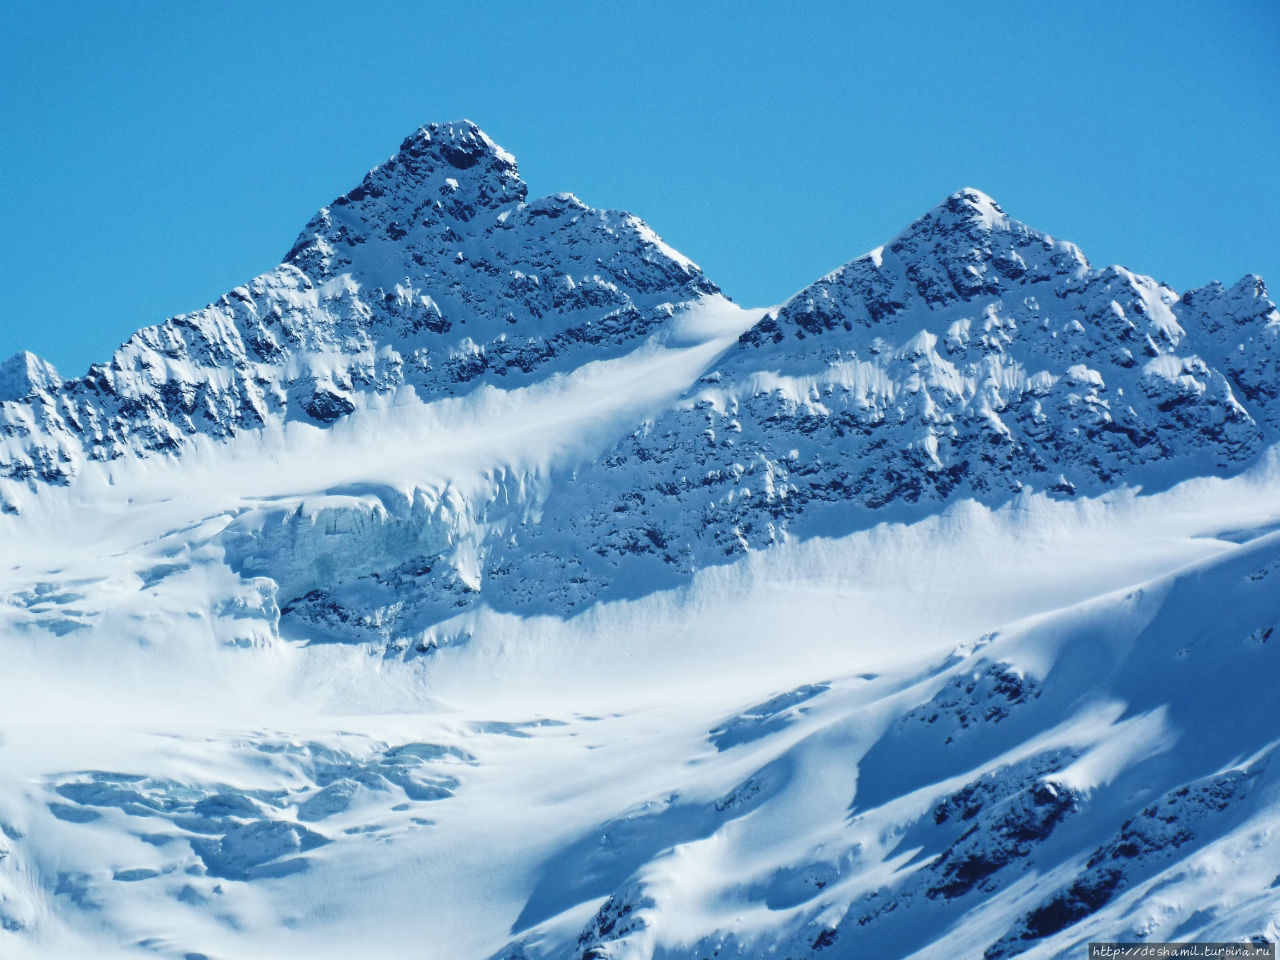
[483, 582]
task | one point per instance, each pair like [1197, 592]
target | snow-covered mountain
[434, 273]
[481, 582]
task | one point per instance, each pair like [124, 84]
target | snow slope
[481, 583]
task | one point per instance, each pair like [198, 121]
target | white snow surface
[904, 619]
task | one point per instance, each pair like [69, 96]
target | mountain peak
[24, 374]
[1251, 285]
[969, 201]
[967, 211]
[451, 148]
[441, 158]
[442, 172]
[965, 224]
[968, 246]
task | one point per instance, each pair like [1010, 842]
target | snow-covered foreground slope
[938, 738]
[481, 583]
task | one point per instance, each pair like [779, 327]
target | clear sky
[154, 155]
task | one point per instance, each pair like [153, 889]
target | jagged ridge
[973, 356]
[434, 274]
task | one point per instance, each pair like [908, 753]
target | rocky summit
[483, 582]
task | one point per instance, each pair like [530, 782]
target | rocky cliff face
[976, 357]
[434, 274]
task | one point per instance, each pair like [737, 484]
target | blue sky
[155, 155]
